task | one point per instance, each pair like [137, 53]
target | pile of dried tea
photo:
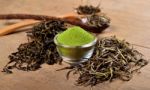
[112, 59]
[75, 36]
[100, 20]
[94, 18]
[40, 48]
[87, 9]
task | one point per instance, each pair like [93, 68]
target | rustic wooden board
[130, 21]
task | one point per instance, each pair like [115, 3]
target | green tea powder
[75, 36]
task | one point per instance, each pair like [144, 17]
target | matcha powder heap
[75, 36]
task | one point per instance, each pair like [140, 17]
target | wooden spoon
[11, 28]
[71, 19]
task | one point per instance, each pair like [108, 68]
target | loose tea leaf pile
[94, 16]
[100, 20]
[40, 48]
[87, 9]
[112, 59]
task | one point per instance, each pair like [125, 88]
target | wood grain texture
[130, 20]
[12, 28]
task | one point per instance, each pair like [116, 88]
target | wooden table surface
[130, 20]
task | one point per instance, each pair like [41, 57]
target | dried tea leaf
[112, 59]
[87, 9]
[39, 49]
[99, 20]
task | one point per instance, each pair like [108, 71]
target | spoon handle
[12, 28]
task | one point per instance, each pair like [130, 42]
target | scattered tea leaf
[87, 9]
[39, 49]
[100, 20]
[112, 59]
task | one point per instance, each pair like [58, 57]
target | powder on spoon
[75, 36]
